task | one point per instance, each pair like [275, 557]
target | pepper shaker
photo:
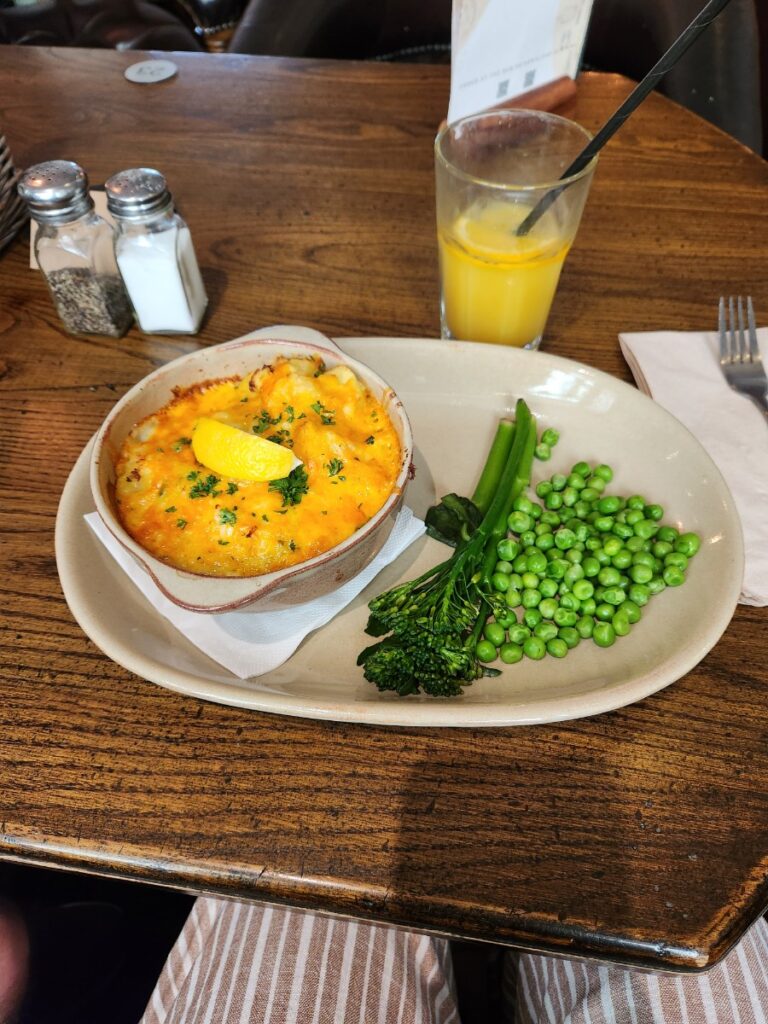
[74, 248]
[154, 252]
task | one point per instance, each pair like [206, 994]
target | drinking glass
[498, 275]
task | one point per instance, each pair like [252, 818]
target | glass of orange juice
[498, 275]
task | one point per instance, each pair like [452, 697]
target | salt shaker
[155, 254]
[74, 248]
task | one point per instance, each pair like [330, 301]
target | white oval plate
[454, 394]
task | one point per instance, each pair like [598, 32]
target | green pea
[604, 524]
[643, 558]
[553, 500]
[550, 437]
[634, 544]
[522, 504]
[620, 623]
[614, 596]
[485, 651]
[545, 631]
[588, 606]
[543, 452]
[591, 566]
[604, 635]
[622, 531]
[656, 585]
[661, 548]
[527, 539]
[575, 556]
[507, 550]
[612, 546]
[557, 647]
[551, 517]
[530, 580]
[584, 626]
[604, 472]
[609, 505]
[542, 528]
[519, 522]
[589, 494]
[570, 602]
[634, 515]
[516, 581]
[632, 611]
[570, 497]
[677, 558]
[506, 620]
[570, 636]
[636, 502]
[608, 576]
[513, 598]
[640, 594]
[548, 587]
[688, 544]
[532, 617]
[504, 567]
[622, 559]
[582, 589]
[495, 633]
[548, 607]
[645, 528]
[655, 512]
[534, 648]
[640, 573]
[518, 634]
[520, 562]
[545, 541]
[573, 575]
[596, 483]
[673, 576]
[605, 612]
[577, 481]
[582, 469]
[558, 482]
[557, 568]
[602, 557]
[668, 533]
[536, 561]
[563, 617]
[510, 654]
[543, 488]
[582, 508]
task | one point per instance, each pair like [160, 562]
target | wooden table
[637, 836]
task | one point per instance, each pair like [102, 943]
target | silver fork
[740, 358]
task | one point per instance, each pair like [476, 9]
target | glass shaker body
[74, 248]
[155, 254]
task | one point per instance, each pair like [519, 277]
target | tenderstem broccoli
[431, 625]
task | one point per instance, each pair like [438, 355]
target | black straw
[702, 20]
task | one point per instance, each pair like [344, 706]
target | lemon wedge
[232, 452]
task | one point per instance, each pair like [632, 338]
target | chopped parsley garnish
[289, 413]
[263, 421]
[181, 523]
[193, 475]
[292, 545]
[171, 508]
[265, 517]
[223, 543]
[369, 440]
[326, 415]
[334, 467]
[282, 437]
[227, 516]
[292, 487]
[320, 369]
[204, 488]
[232, 487]
[181, 443]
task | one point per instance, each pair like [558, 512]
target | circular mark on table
[148, 71]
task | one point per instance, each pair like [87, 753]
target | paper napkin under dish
[250, 643]
[681, 371]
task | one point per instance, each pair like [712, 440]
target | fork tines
[737, 345]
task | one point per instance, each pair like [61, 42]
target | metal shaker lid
[55, 191]
[134, 193]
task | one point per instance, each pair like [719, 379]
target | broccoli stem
[494, 465]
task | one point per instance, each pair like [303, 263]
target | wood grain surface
[637, 836]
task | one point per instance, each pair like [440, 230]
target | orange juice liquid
[498, 287]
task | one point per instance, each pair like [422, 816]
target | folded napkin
[250, 643]
[681, 371]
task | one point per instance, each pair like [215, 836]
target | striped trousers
[237, 963]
